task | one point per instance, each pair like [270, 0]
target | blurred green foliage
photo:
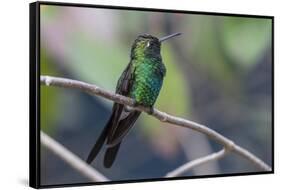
[245, 39]
[49, 97]
[99, 62]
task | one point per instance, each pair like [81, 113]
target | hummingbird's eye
[147, 44]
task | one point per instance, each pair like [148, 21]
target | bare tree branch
[73, 160]
[189, 165]
[162, 116]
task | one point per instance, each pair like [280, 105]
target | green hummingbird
[142, 81]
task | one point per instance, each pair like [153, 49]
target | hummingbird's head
[145, 45]
[148, 45]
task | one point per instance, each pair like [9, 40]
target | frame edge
[34, 172]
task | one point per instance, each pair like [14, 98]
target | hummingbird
[142, 81]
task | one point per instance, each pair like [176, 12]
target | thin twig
[189, 165]
[162, 116]
[73, 160]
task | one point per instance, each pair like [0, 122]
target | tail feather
[95, 150]
[123, 128]
[110, 155]
[116, 111]
[101, 140]
[113, 133]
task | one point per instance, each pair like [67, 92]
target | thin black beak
[169, 36]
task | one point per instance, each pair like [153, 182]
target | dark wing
[126, 118]
[123, 128]
[119, 124]
[117, 109]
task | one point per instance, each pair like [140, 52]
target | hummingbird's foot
[128, 108]
[131, 108]
[151, 110]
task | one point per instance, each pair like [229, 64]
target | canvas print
[132, 94]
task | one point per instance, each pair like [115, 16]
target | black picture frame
[34, 93]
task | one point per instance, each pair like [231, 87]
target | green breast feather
[147, 81]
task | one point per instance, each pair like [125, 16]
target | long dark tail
[110, 155]
[114, 132]
[116, 111]
[95, 150]
[122, 129]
